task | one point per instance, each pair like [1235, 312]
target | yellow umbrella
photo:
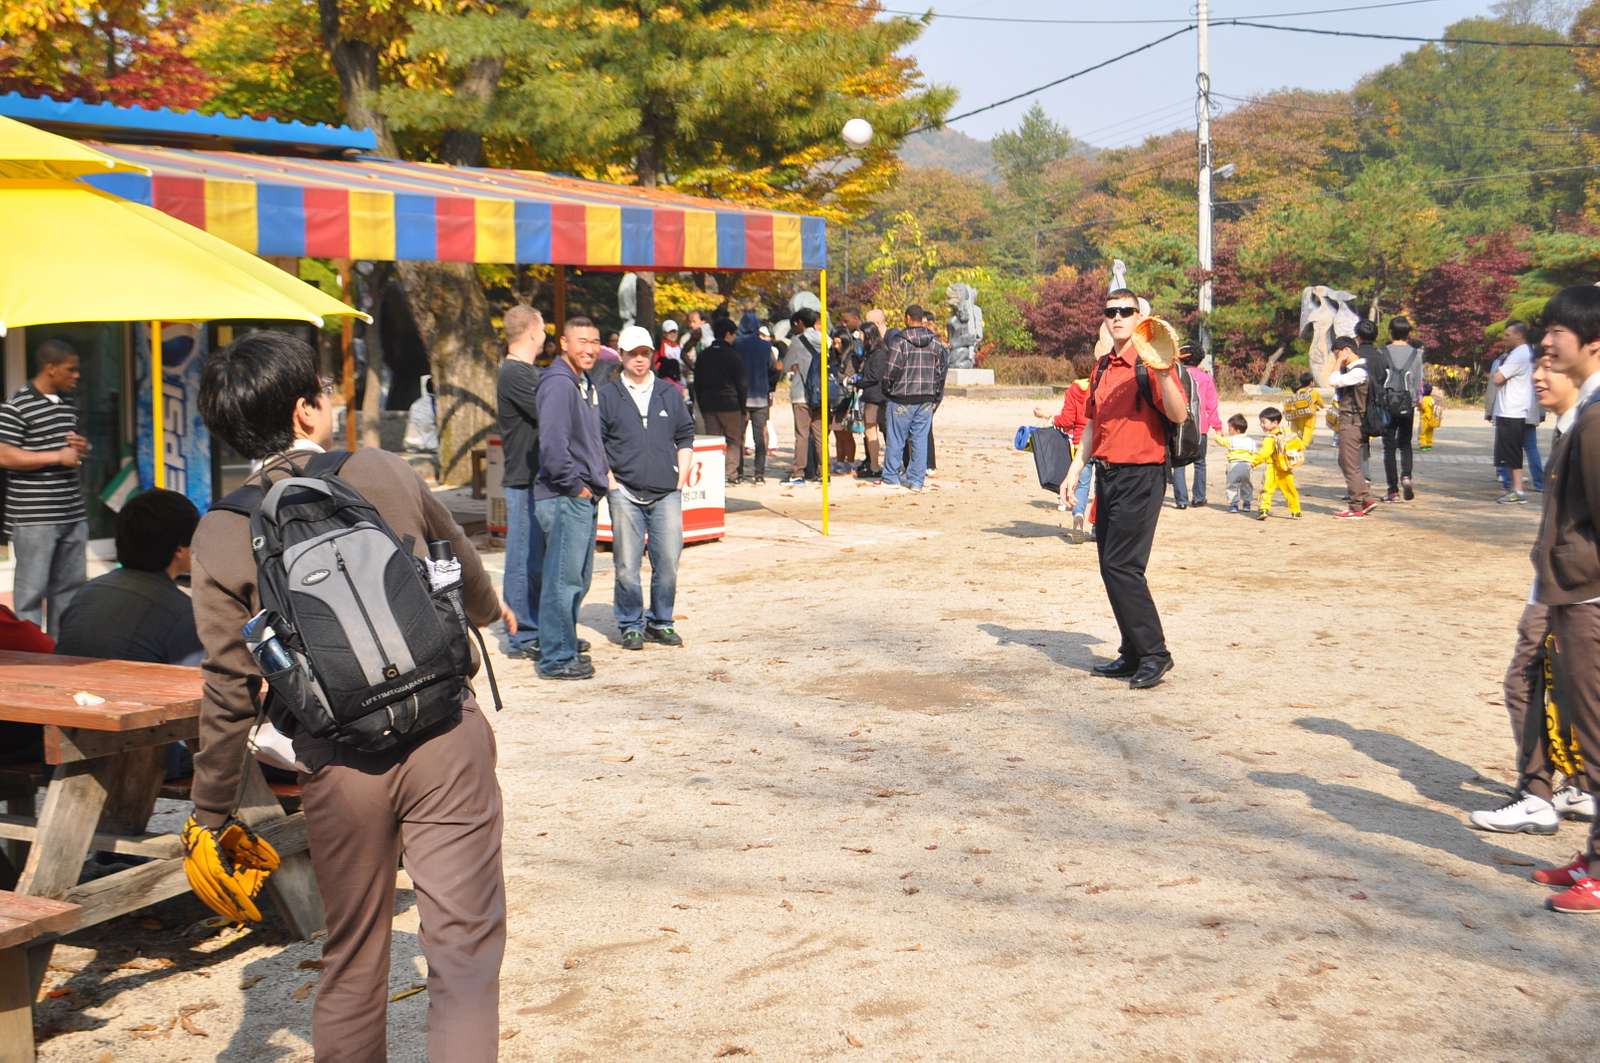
[26, 152]
[79, 254]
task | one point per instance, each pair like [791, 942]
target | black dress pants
[1398, 437]
[1128, 503]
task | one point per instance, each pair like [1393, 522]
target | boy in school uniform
[1281, 451]
[1432, 417]
[1301, 410]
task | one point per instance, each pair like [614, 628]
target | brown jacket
[224, 584]
[1566, 554]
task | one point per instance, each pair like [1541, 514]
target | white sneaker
[1569, 801]
[1526, 815]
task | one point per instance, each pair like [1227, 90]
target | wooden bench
[23, 920]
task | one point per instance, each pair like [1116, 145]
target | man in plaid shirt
[913, 382]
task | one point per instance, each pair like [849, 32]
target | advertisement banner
[187, 446]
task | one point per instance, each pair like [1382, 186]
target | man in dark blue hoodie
[649, 440]
[760, 365]
[566, 497]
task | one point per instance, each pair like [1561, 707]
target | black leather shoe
[1120, 668]
[1150, 673]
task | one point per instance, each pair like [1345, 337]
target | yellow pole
[158, 426]
[822, 285]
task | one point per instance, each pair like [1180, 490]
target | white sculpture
[1325, 313]
[628, 298]
[1119, 275]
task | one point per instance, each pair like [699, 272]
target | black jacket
[719, 379]
[517, 417]
[643, 452]
[871, 380]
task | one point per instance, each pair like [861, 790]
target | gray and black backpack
[381, 656]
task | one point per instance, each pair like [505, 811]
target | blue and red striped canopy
[373, 208]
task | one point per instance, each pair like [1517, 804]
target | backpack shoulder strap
[247, 499]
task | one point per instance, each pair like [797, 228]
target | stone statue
[965, 325]
[628, 298]
[1119, 275]
[1325, 313]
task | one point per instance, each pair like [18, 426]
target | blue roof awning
[160, 125]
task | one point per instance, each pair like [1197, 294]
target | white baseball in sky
[857, 132]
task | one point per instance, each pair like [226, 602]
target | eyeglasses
[329, 388]
[1120, 311]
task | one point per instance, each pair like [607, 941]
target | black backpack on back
[1377, 417]
[838, 390]
[381, 657]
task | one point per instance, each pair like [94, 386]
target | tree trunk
[452, 315]
[1272, 363]
[648, 170]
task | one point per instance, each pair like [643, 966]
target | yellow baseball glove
[227, 868]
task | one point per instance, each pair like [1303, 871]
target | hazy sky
[1152, 92]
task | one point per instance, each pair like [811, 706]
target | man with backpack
[393, 750]
[913, 382]
[805, 349]
[1402, 387]
[1126, 435]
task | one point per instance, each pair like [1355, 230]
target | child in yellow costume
[1281, 452]
[1301, 410]
[1432, 417]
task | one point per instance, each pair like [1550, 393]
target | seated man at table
[435, 796]
[138, 612]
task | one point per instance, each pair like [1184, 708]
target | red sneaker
[1581, 899]
[1372, 504]
[1354, 512]
[1565, 877]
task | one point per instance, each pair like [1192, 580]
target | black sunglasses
[1120, 311]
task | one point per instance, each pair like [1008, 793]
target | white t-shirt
[1515, 398]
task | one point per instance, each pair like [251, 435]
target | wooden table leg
[132, 790]
[16, 1007]
[71, 813]
[293, 887]
[23, 801]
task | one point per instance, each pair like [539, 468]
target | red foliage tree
[1453, 303]
[1067, 312]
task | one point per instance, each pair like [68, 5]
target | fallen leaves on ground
[303, 991]
[864, 850]
[852, 1040]
[731, 1050]
[250, 981]
[186, 1017]
[618, 758]
[1190, 881]
[408, 991]
[1512, 861]
[310, 965]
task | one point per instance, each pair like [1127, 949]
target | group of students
[1552, 686]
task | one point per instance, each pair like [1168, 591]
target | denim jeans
[631, 523]
[568, 525]
[1530, 461]
[912, 423]
[51, 564]
[1080, 504]
[524, 566]
[1180, 488]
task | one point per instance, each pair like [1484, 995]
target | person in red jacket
[1071, 420]
[22, 743]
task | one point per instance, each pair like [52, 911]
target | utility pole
[1203, 185]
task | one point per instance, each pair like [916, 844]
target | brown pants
[871, 418]
[807, 432]
[1534, 771]
[1350, 440]
[729, 424]
[440, 805]
[1577, 672]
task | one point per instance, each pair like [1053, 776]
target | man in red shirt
[1126, 438]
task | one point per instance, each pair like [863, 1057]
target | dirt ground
[878, 809]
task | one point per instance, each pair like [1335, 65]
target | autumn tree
[116, 51]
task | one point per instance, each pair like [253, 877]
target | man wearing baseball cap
[649, 442]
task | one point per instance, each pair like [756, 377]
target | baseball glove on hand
[227, 868]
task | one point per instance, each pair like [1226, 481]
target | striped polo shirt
[51, 495]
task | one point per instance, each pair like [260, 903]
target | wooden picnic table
[107, 763]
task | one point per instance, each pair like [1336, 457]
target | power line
[1399, 37]
[1185, 102]
[1001, 19]
[1058, 81]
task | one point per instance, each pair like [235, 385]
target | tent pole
[559, 309]
[347, 343]
[158, 424]
[822, 285]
